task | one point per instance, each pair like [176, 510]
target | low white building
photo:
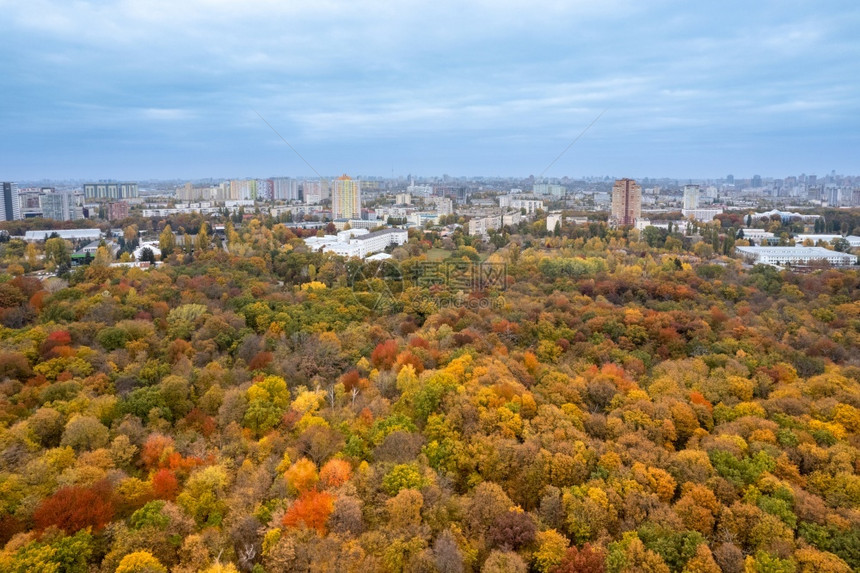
[357, 242]
[341, 224]
[423, 219]
[784, 215]
[795, 256]
[93, 247]
[151, 245]
[68, 234]
[853, 240]
[757, 234]
[701, 214]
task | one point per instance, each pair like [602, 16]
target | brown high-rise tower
[626, 202]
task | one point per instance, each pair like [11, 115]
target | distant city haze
[159, 89]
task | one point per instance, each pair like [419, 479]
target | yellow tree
[202, 238]
[166, 241]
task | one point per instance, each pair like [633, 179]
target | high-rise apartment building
[243, 189]
[313, 192]
[265, 190]
[691, 197]
[346, 198]
[190, 193]
[549, 189]
[10, 207]
[285, 189]
[110, 190]
[61, 206]
[626, 202]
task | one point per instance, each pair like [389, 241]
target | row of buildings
[285, 189]
[798, 256]
[59, 205]
[626, 205]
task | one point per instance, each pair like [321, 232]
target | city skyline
[156, 90]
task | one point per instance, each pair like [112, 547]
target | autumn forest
[619, 401]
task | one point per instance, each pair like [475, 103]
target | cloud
[437, 80]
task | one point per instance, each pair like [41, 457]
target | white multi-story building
[419, 190]
[235, 205]
[358, 242]
[552, 220]
[444, 205]
[403, 199]
[203, 207]
[483, 225]
[512, 218]
[285, 189]
[549, 189]
[314, 192]
[423, 219]
[342, 224]
[530, 205]
[795, 256]
[691, 197]
[703, 215]
[759, 236]
[394, 211]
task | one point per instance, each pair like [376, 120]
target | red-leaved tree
[311, 509]
[165, 485]
[586, 560]
[74, 508]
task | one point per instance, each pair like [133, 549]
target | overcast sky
[171, 88]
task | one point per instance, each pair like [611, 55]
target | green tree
[57, 252]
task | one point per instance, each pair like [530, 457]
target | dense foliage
[620, 402]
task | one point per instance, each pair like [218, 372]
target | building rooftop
[792, 251]
[379, 234]
[63, 233]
